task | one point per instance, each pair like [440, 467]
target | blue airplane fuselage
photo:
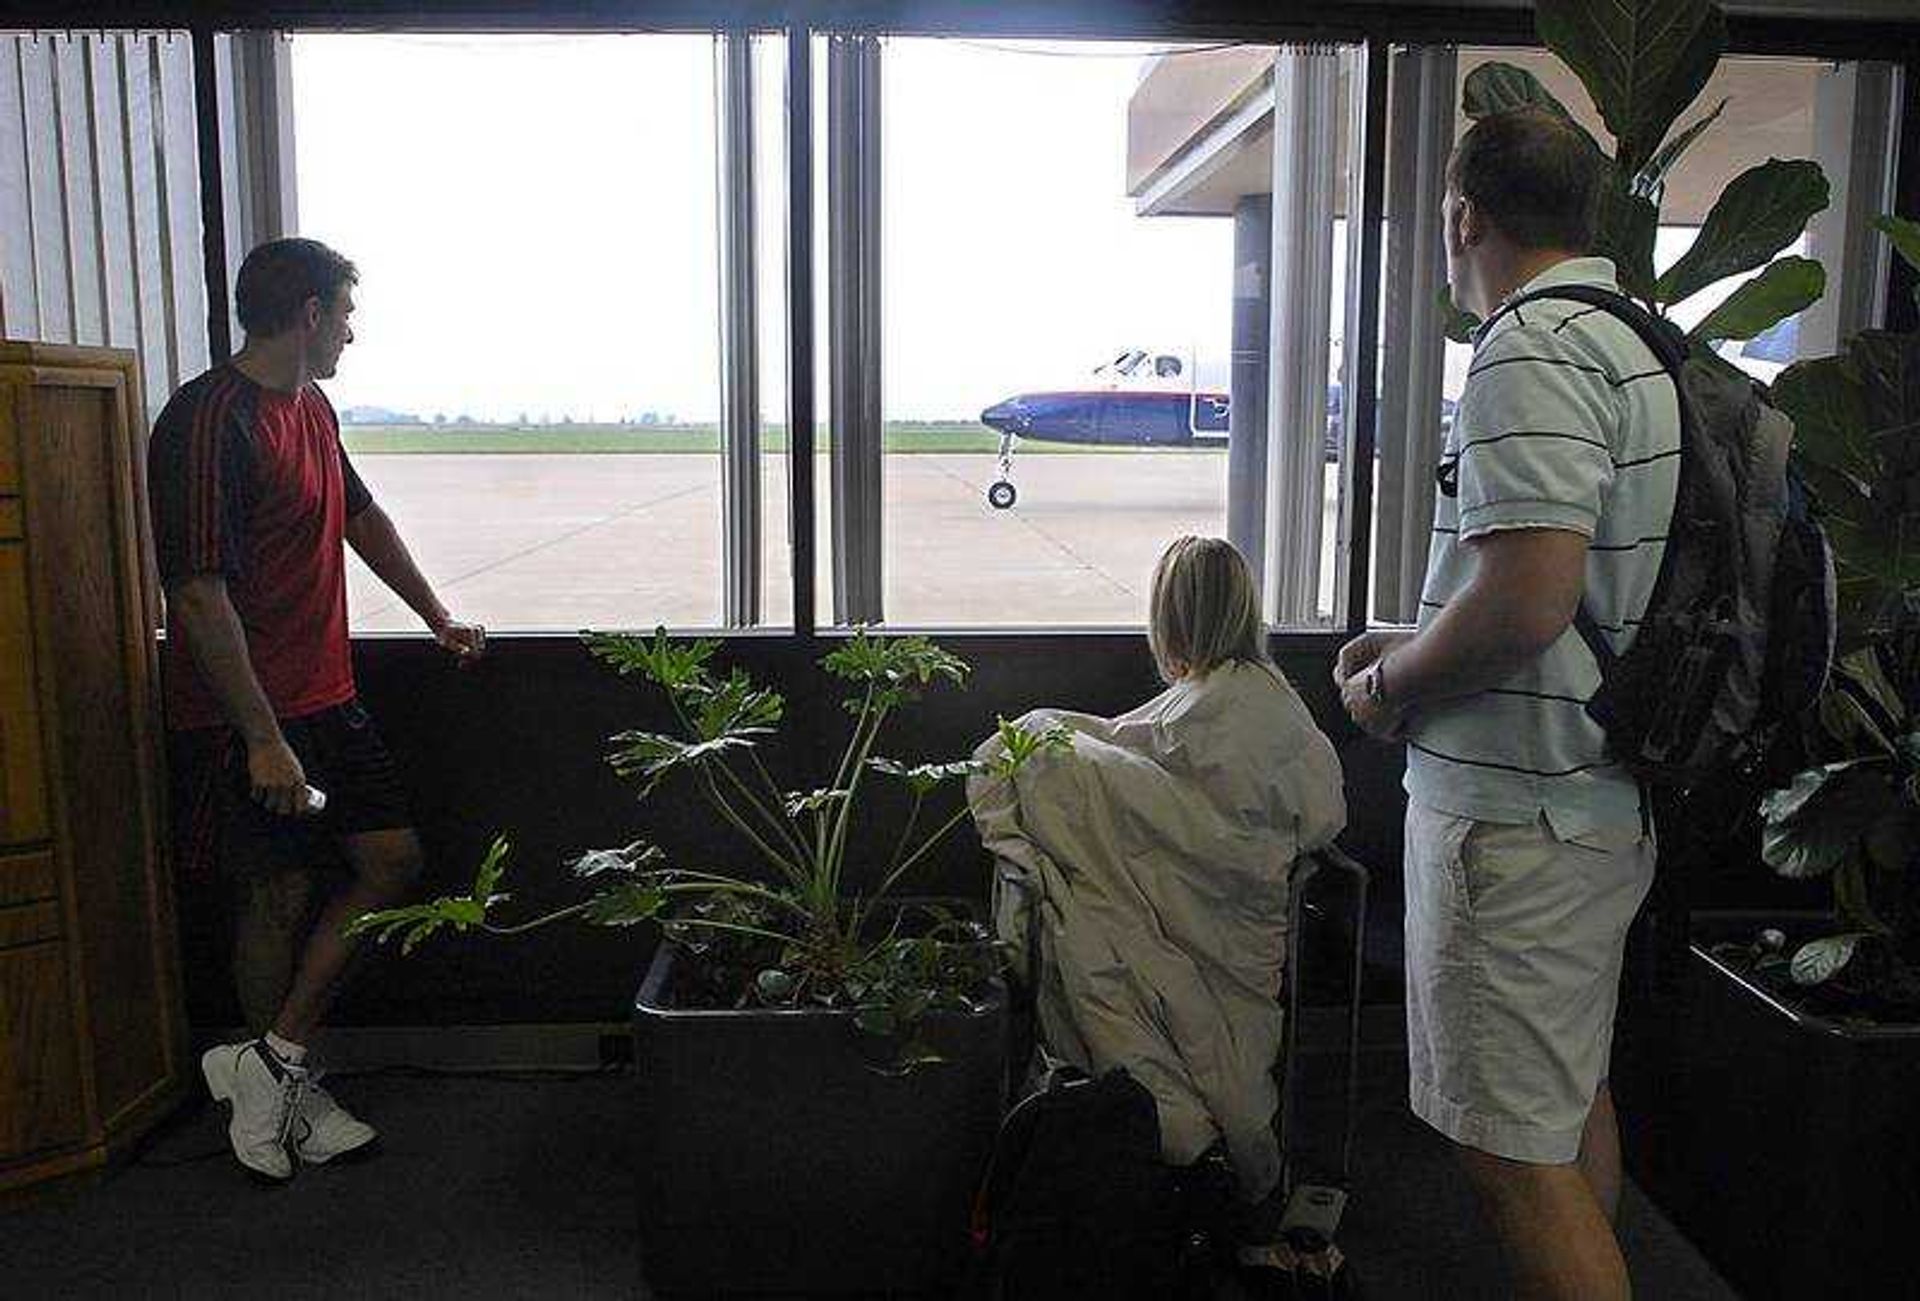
[1137, 418]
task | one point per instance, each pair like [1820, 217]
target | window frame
[1377, 28]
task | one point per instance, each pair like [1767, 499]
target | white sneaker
[325, 1129]
[264, 1092]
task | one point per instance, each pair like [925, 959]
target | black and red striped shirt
[253, 484]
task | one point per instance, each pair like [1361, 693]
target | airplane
[1138, 399]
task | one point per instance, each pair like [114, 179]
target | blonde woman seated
[1152, 863]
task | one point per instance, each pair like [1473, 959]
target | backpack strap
[1669, 348]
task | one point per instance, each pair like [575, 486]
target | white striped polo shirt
[1568, 421]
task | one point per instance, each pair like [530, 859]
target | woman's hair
[1203, 611]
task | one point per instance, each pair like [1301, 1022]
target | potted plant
[1804, 1031]
[820, 1066]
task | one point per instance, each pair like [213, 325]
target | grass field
[382, 439]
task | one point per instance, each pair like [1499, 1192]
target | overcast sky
[534, 222]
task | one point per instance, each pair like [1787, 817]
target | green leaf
[798, 802]
[626, 903]
[1785, 287]
[1642, 61]
[1905, 235]
[1863, 668]
[650, 756]
[667, 663]
[1821, 818]
[1822, 959]
[1650, 182]
[1501, 88]
[1847, 722]
[1019, 745]
[1458, 324]
[417, 922]
[922, 778]
[1827, 402]
[624, 861]
[1624, 231]
[1762, 211]
[734, 707]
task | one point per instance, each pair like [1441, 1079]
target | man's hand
[1353, 672]
[279, 782]
[1357, 655]
[466, 641]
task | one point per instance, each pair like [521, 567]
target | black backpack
[1076, 1202]
[1737, 638]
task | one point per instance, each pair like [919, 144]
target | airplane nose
[1005, 416]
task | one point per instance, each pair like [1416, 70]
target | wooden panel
[9, 443]
[42, 1103]
[23, 794]
[77, 457]
[29, 923]
[26, 877]
[12, 520]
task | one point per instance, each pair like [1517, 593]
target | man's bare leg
[1558, 1241]
[1599, 1158]
[273, 913]
[385, 866]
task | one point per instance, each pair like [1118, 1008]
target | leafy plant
[1854, 816]
[1644, 62]
[802, 937]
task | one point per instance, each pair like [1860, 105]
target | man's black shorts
[225, 829]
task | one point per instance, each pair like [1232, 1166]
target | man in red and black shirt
[253, 498]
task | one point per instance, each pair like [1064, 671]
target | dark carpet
[520, 1187]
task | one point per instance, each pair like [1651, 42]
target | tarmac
[535, 542]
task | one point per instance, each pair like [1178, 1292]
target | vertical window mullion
[800, 334]
[1420, 118]
[854, 302]
[739, 334]
[1305, 168]
[1360, 371]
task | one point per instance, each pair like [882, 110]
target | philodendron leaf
[417, 922]
[624, 861]
[922, 778]
[626, 903]
[1500, 88]
[1762, 211]
[1848, 722]
[1458, 324]
[1651, 180]
[1643, 61]
[1787, 286]
[675, 665]
[1821, 960]
[1905, 235]
[798, 802]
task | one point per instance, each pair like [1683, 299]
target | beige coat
[1159, 852]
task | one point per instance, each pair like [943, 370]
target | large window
[1084, 299]
[534, 391]
[1838, 115]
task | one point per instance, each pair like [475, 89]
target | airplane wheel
[1001, 495]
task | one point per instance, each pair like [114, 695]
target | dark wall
[515, 746]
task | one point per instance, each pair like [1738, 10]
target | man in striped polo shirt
[1527, 852]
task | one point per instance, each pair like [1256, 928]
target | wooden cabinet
[92, 1036]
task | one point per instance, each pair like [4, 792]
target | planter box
[771, 1157]
[1796, 1161]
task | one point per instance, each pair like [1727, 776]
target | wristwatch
[1377, 682]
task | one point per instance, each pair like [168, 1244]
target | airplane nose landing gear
[1000, 493]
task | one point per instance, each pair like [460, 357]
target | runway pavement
[562, 542]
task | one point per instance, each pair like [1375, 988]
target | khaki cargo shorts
[1514, 945]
